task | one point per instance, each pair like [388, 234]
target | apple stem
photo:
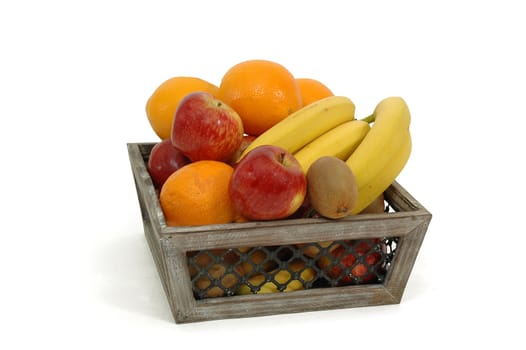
[281, 157]
[370, 118]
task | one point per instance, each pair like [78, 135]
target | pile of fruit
[264, 145]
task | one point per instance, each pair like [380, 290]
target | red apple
[361, 272]
[163, 161]
[267, 184]
[305, 210]
[205, 128]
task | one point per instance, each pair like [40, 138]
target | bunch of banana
[306, 124]
[339, 142]
[384, 151]
[376, 155]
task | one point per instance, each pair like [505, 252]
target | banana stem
[369, 119]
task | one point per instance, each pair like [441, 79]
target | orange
[197, 194]
[261, 92]
[161, 106]
[312, 90]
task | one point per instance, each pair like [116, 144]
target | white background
[75, 269]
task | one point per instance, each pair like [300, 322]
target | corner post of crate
[407, 252]
[178, 280]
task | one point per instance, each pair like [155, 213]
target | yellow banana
[376, 186]
[306, 124]
[381, 145]
[339, 142]
[281, 277]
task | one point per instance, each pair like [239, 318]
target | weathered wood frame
[169, 246]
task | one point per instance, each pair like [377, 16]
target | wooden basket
[406, 223]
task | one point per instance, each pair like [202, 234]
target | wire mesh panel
[271, 269]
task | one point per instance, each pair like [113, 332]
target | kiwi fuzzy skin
[331, 187]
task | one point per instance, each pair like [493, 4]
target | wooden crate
[406, 223]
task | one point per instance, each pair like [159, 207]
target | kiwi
[376, 207]
[332, 187]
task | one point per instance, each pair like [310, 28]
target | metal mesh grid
[237, 271]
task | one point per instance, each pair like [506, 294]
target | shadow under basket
[282, 266]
